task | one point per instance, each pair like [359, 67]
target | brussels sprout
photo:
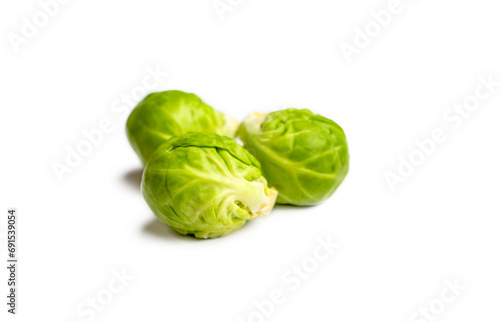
[303, 155]
[165, 114]
[205, 185]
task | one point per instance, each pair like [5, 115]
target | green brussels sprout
[205, 185]
[303, 155]
[162, 115]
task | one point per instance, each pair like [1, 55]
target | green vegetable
[303, 155]
[165, 114]
[205, 185]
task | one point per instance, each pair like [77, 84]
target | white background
[397, 247]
